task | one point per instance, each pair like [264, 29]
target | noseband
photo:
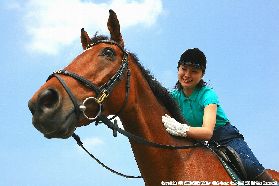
[101, 92]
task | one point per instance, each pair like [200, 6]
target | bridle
[102, 93]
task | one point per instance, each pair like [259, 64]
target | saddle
[230, 158]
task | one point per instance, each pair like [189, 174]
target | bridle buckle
[103, 95]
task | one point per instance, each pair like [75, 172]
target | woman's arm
[209, 120]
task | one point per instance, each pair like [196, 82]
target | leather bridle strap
[102, 92]
[135, 138]
[82, 80]
[114, 127]
[77, 138]
[71, 95]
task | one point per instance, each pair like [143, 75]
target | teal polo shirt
[192, 107]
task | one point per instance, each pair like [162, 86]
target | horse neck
[143, 117]
[144, 113]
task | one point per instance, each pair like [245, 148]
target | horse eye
[108, 52]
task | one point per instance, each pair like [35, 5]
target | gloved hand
[174, 127]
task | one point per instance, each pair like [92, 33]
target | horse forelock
[160, 92]
[97, 38]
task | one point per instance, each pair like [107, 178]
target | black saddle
[231, 158]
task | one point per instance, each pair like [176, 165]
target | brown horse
[105, 79]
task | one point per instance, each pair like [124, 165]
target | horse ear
[114, 28]
[85, 39]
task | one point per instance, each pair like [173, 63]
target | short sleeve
[210, 97]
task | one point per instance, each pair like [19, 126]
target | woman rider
[207, 120]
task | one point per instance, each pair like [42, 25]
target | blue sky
[239, 38]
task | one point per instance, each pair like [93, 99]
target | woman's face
[189, 76]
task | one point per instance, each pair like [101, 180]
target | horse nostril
[48, 99]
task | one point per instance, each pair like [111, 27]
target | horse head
[76, 95]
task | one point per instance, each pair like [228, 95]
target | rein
[102, 93]
[133, 137]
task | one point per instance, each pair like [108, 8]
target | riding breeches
[230, 136]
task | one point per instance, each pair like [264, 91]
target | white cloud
[53, 24]
[93, 142]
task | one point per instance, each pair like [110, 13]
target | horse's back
[274, 174]
[208, 166]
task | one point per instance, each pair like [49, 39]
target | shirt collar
[193, 96]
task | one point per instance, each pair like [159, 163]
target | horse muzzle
[49, 117]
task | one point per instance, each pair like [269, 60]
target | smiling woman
[106, 79]
[207, 119]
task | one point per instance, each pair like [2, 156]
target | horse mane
[160, 92]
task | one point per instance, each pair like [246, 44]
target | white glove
[174, 127]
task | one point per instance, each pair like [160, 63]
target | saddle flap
[230, 156]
